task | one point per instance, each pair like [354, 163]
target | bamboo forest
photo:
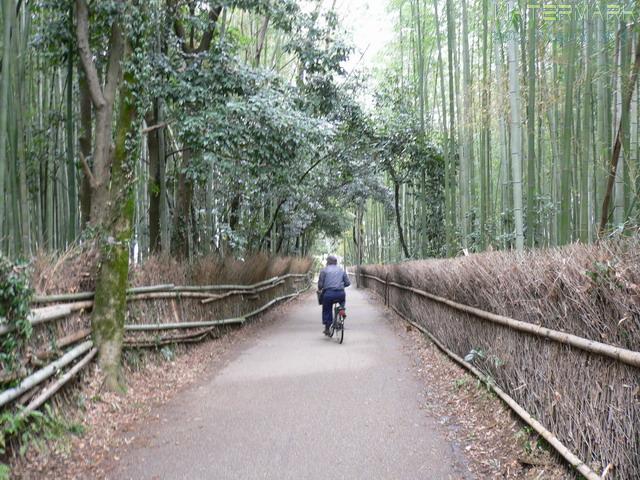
[186, 165]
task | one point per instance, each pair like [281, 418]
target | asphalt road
[296, 405]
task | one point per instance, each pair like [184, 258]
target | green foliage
[15, 297]
[33, 429]
[168, 353]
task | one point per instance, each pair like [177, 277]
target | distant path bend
[295, 405]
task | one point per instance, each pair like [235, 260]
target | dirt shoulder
[495, 441]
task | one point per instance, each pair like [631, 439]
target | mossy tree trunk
[110, 303]
[111, 179]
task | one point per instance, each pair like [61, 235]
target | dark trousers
[329, 297]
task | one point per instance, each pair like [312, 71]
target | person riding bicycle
[332, 282]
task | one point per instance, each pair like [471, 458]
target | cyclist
[331, 284]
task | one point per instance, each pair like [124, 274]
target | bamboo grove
[240, 112]
[193, 127]
[535, 108]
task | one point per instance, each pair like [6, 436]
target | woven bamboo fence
[557, 331]
[159, 315]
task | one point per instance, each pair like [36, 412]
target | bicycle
[337, 326]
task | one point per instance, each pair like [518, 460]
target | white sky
[370, 26]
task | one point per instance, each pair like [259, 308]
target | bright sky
[370, 26]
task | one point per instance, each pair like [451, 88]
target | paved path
[295, 405]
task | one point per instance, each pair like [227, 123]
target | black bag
[319, 294]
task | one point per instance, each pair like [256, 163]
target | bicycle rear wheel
[340, 333]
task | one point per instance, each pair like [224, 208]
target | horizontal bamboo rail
[61, 343]
[41, 375]
[623, 355]
[62, 311]
[144, 327]
[82, 300]
[211, 323]
[240, 292]
[207, 288]
[567, 454]
[170, 339]
[66, 297]
[197, 336]
[48, 314]
[170, 287]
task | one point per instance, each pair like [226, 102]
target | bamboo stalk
[58, 384]
[44, 373]
[567, 454]
[629, 357]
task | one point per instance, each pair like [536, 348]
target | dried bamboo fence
[201, 311]
[539, 359]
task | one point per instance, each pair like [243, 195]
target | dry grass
[590, 402]
[75, 270]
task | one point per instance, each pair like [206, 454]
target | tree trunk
[111, 201]
[85, 149]
[153, 146]
[396, 202]
[110, 301]
[613, 167]
[182, 211]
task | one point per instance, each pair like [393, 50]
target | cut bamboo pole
[172, 326]
[170, 294]
[48, 392]
[62, 343]
[205, 288]
[229, 321]
[39, 316]
[240, 292]
[44, 373]
[567, 454]
[189, 338]
[66, 297]
[268, 304]
[629, 357]
[47, 314]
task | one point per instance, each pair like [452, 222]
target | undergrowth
[32, 430]
[15, 296]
